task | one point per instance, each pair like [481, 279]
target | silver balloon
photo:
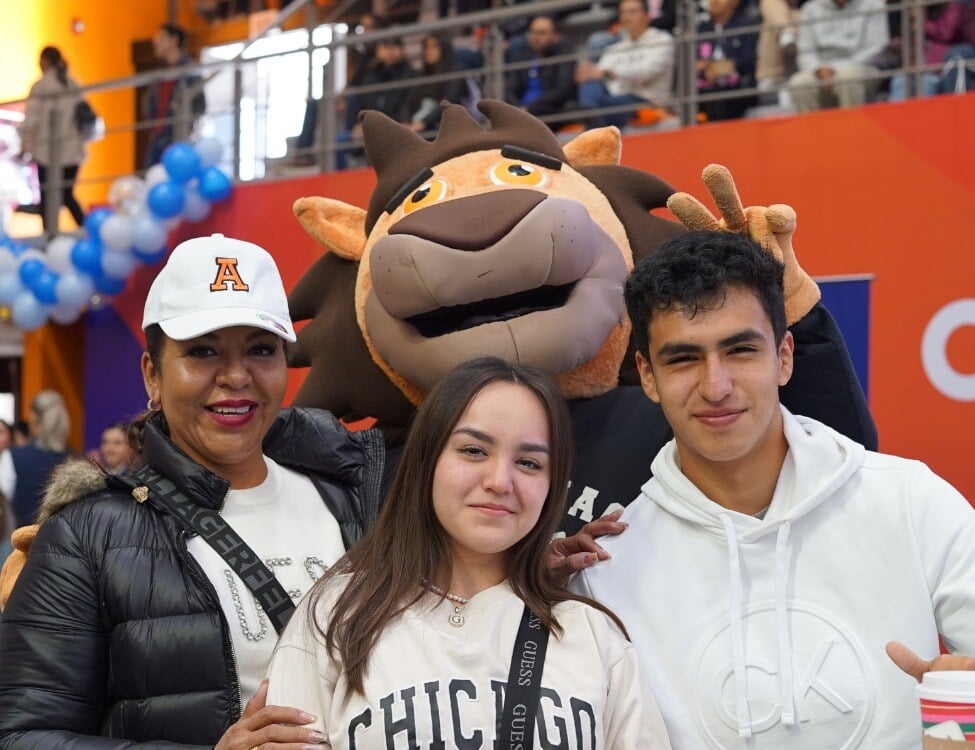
[127, 194]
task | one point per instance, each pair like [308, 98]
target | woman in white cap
[148, 608]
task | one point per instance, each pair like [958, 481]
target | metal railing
[327, 144]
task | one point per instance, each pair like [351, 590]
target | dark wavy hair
[52, 56]
[407, 544]
[694, 271]
[134, 433]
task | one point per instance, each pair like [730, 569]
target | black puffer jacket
[113, 637]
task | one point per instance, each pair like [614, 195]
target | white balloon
[148, 234]
[10, 288]
[195, 206]
[210, 151]
[118, 265]
[65, 314]
[116, 233]
[74, 289]
[155, 174]
[59, 253]
[8, 261]
[31, 252]
[27, 313]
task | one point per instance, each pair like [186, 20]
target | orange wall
[886, 189]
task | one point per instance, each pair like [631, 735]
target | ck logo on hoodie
[826, 699]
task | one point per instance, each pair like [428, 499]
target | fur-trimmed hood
[73, 480]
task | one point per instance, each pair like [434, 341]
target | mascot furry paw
[22, 539]
[498, 240]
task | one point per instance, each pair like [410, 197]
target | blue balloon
[10, 288]
[108, 285]
[30, 270]
[151, 259]
[214, 185]
[27, 313]
[165, 199]
[86, 255]
[44, 287]
[95, 219]
[182, 161]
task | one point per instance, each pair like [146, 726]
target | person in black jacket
[542, 88]
[125, 629]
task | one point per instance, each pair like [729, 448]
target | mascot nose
[471, 223]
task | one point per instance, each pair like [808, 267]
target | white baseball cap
[216, 282]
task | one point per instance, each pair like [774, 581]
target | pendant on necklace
[456, 619]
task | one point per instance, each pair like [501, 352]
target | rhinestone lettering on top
[315, 567]
[262, 622]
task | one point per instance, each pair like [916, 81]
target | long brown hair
[407, 544]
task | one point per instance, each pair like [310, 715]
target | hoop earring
[152, 405]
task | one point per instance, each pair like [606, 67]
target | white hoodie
[770, 633]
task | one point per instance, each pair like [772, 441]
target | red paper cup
[948, 710]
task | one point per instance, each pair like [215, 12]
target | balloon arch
[58, 283]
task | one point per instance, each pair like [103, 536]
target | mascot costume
[499, 240]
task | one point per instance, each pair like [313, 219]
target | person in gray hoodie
[838, 43]
[777, 558]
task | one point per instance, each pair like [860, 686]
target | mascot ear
[595, 147]
[336, 226]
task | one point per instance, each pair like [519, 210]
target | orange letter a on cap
[228, 277]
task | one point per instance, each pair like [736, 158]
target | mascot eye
[426, 195]
[518, 173]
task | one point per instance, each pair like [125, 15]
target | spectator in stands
[361, 59]
[949, 37]
[777, 42]
[165, 99]
[838, 40]
[727, 62]
[541, 89]
[393, 101]
[425, 97]
[51, 136]
[637, 70]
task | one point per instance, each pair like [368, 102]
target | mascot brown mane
[487, 240]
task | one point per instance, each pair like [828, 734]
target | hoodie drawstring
[786, 675]
[737, 637]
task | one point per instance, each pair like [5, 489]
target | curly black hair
[693, 272]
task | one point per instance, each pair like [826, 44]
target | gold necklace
[456, 618]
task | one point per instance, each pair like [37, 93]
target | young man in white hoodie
[770, 560]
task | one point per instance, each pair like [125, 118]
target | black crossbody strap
[226, 542]
[516, 730]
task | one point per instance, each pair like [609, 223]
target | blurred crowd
[751, 56]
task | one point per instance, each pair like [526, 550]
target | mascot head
[487, 240]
